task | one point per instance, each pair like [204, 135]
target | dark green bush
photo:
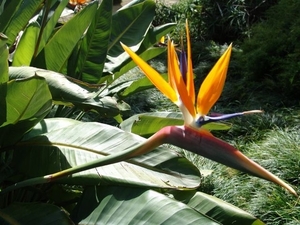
[227, 21]
[271, 55]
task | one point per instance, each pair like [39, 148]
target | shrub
[271, 56]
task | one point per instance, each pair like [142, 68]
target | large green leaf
[95, 44]
[66, 92]
[47, 30]
[146, 124]
[125, 205]
[35, 214]
[26, 102]
[81, 143]
[3, 59]
[25, 12]
[26, 46]
[146, 52]
[120, 69]
[129, 26]
[139, 85]
[60, 46]
[216, 208]
[7, 11]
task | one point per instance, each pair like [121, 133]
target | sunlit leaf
[216, 208]
[139, 85]
[81, 143]
[125, 205]
[94, 47]
[47, 31]
[26, 46]
[66, 92]
[26, 102]
[146, 124]
[3, 59]
[129, 26]
[24, 13]
[120, 69]
[7, 11]
[60, 46]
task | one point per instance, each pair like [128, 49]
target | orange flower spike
[190, 76]
[213, 84]
[181, 86]
[170, 72]
[153, 76]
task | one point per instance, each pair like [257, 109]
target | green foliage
[219, 21]
[101, 202]
[179, 12]
[271, 55]
[3, 59]
[24, 103]
[81, 49]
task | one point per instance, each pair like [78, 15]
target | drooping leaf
[26, 46]
[26, 102]
[66, 92]
[3, 59]
[125, 205]
[216, 208]
[94, 47]
[36, 214]
[81, 143]
[60, 46]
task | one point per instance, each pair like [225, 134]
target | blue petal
[183, 65]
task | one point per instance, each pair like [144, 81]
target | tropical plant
[63, 171]
[85, 47]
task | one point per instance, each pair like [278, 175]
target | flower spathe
[180, 90]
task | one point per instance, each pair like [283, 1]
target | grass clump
[278, 151]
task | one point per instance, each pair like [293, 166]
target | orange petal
[213, 84]
[153, 75]
[190, 78]
[171, 78]
[180, 85]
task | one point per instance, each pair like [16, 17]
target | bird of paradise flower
[191, 136]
